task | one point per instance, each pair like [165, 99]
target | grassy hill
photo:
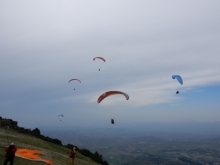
[57, 153]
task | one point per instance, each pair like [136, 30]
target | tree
[86, 153]
[36, 131]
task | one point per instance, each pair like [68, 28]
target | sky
[44, 44]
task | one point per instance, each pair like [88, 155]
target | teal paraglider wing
[178, 78]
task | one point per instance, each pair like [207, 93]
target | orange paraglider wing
[75, 79]
[109, 93]
[33, 155]
[101, 58]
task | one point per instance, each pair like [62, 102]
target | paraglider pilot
[10, 154]
[112, 121]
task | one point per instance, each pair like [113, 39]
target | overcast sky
[44, 44]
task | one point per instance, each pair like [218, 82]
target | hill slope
[56, 153]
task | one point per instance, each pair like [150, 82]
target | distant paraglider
[101, 58]
[179, 79]
[74, 79]
[60, 116]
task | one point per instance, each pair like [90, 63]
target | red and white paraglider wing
[74, 79]
[101, 58]
[110, 93]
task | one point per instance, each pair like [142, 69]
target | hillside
[57, 153]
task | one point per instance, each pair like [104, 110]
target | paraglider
[109, 93]
[60, 116]
[101, 58]
[179, 79]
[74, 79]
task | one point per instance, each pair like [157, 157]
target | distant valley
[123, 146]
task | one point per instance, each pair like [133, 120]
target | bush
[86, 153]
[98, 158]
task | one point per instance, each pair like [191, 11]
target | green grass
[56, 153]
